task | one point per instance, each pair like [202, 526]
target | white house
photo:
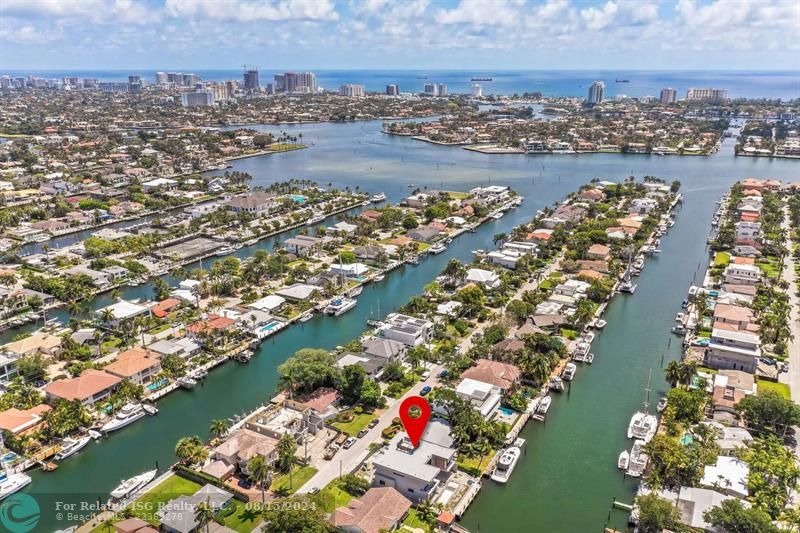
[484, 397]
[409, 330]
[737, 274]
[487, 278]
[737, 350]
[748, 230]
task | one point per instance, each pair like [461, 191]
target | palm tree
[260, 471]
[219, 427]
[673, 373]
[204, 514]
[499, 237]
[186, 449]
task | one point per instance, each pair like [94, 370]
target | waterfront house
[591, 195]
[748, 230]
[450, 308]
[270, 303]
[349, 270]
[487, 278]
[99, 279]
[318, 406]
[244, 444]
[302, 245]
[408, 330]
[504, 376]
[298, 292]
[43, 343]
[159, 185]
[418, 201]
[734, 318]
[165, 307]
[737, 350]
[484, 397]
[388, 350]
[121, 311]
[180, 514]
[418, 472]
[426, 234]
[343, 228]
[370, 253]
[728, 475]
[573, 288]
[598, 252]
[504, 259]
[373, 365]
[184, 347]
[256, 203]
[23, 421]
[540, 236]
[137, 365]
[742, 274]
[381, 509]
[90, 387]
[642, 206]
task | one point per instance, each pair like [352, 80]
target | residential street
[346, 460]
[792, 377]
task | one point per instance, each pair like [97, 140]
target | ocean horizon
[563, 82]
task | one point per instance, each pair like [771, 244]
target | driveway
[345, 461]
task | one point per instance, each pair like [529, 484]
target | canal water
[567, 478]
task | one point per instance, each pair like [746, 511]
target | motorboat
[413, 260]
[379, 277]
[627, 286]
[314, 220]
[589, 359]
[129, 414]
[544, 405]
[150, 409]
[556, 384]
[377, 198]
[339, 306]
[679, 317]
[355, 291]
[200, 373]
[662, 404]
[600, 323]
[569, 371]
[438, 248]
[187, 382]
[505, 465]
[243, 357]
[638, 460]
[129, 486]
[497, 215]
[70, 447]
[642, 426]
[679, 329]
[305, 317]
[11, 483]
[96, 435]
[225, 250]
[623, 460]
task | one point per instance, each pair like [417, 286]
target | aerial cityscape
[317, 266]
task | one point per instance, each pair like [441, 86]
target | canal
[568, 477]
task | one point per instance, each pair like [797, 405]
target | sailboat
[627, 285]
[643, 425]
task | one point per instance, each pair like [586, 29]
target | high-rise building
[668, 96]
[441, 89]
[136, 83]
[115, 87]
[296, 82]
[597, 91]
[71, 81]
[251, 82]
[431, 89]
[707, 95]
[161, 78]
[90, 83]
[392, 89]
[197, 98]
[351, 90]
[219, 90]
[477, 90]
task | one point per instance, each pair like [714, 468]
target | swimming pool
[157, 384]
[687, 439]
[298, 198]
[506, 411]
[270, 326]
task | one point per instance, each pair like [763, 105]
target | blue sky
[392, 34]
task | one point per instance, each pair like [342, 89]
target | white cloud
[250, 10]
[480, 13]
[599, 18]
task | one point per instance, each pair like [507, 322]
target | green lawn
[458, 195]
[332, 496]
[722, 259]
[413, 520]
[357, 424]
[167, 490]
[243, 519]
[780, 388]
[472, 465]
[300, 475]
[769, 267]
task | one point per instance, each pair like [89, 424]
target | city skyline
[504, 34]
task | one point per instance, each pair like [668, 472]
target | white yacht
[150, 409]
[96, 435]
[643, 425]
[187, 382]
[497, 215]
[11, 483]
[544, 405]
[379, 277]
[129, 414]
[377, 198]
[438, 248]
[355, 291]
[129, 486]
[623, 460]
[600, 323]
[505, 465]
[339, 306]
[305, 317]
[638, 460]
[70, 447]
[556, 384]
[662, 404]
[313, 220]
[569, 371]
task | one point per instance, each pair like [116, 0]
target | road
[345, 461]
[792, 377]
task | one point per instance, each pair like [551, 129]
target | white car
[426, 375]
[349, 442]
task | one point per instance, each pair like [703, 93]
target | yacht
[187, 382]
[600, 323]
[413, 260]
[243, 357]
[497, 216]
[11, 483]
[622, 461]
[355, 291]
[569, 372]
[377, 198]
[505, 465]
[544, 405]
[200, 373]
[339, 306]
[129, 486]
[305, 317]
[662, 404]
[438, 248]
[150, 409]
[643, 425]
[679, 329]
[225, 250]
[96, 435]
[379, 277]
[556, 384]
[679, 317]
[638, 460]
[71, 447]
[129, 414]
[589, 358]
[313, 220]
[627, 286]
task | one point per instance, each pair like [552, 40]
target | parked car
[373, 423]
[425, 390]
[362, 432]
[244, 483]
[426, 375]
[331, 451]
[349, 442]
[443, 374]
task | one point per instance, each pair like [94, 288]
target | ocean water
[750, 84]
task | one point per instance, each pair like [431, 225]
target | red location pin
[415, 427]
